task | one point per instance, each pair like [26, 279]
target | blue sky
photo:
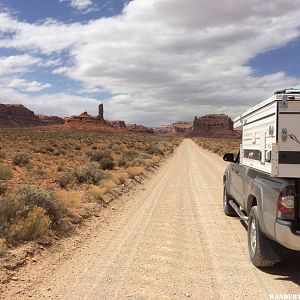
[149, 61]
[285, 59]
[37, 10]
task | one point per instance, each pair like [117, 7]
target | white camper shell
[271, 135]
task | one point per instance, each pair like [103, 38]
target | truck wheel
[228, 210]
[261, 249]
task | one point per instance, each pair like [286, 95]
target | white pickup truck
[261, 184]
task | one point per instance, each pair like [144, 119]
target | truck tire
[228, 210]
[261, 250]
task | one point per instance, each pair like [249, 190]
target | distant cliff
[17, 115]
[217, 125]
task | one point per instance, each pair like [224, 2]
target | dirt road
[170, 241]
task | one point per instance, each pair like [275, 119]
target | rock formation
[217, 125]
[139, 129]
[12, 115]
[84, 120]
[117, 124]
[87, 122]
[180, 127]
[50, 120]
[101, 112]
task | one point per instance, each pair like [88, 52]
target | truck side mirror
[228, 157]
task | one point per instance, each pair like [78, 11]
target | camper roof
[289, 94]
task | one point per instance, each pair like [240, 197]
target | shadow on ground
[288, 269]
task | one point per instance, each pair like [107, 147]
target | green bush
[155, 151]
[64, 180]
[90, 173]
[107, 163]
[98, 156]
[32, 196]
[5, 172]
[21, 159]
[9, 209]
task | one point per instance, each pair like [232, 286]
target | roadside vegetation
[48, 178]
[219, 146]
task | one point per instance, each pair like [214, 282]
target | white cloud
[60, 104]
[168, 59]
[80, 4]
[27, 86]
[17, 63]
[46, 37]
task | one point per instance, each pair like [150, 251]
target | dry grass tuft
[3, 247]
[5, 172]
[135, 171]
[70, 199]
[218, 145]
[35, 225]
[98, 192]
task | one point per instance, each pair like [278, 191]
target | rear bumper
[285, 236]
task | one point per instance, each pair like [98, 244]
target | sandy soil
[170, 240]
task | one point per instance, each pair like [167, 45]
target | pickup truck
[270, 206]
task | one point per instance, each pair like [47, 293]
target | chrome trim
[238, 211]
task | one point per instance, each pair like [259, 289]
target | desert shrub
[60, 169]
[3, 189]
[39, 171]
[34, 225]
[119, 178]
[49, 148]
[98, 156]
[21, 159]
[107, 163]
[2, 154]
[90, 173]
[3, 247]
[10, 207]
[33, 196]
[155, 151]
[109, 184]
[103, 158]
[5, 172]
[122, 162]
[64, 180]
[97, 193]
[134, 171]
[131, 154]
[70, 199]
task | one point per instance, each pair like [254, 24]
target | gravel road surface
[170, 240]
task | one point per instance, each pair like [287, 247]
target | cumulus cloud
[60, 104]
[16, 63]
[166, 60]
[27, 86]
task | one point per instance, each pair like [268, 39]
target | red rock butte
[216, 125]
[17, 115]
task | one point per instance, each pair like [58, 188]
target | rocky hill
[85, 121]
[50, 120]
[17, 115]
[216, 125]
[139, 129]
[12, 115]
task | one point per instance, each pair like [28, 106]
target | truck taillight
[286, 203]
